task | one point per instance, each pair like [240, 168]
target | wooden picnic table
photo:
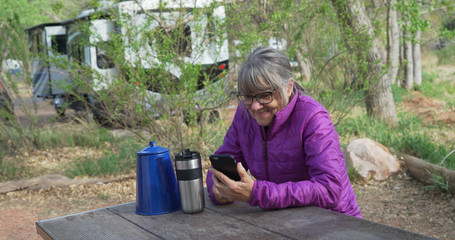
[234, 221]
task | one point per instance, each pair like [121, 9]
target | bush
[446, 55]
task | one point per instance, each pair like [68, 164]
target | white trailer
[195, 46]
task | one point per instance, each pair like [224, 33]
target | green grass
[438, 90]
[446, 55]
[10, 170]
[438, 181]
[120, 161]
[67, 136]
[442, 90]
[13, 138]
[354, 176]
[399, 93]
[93, 136]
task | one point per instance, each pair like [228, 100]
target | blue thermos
[157, 191]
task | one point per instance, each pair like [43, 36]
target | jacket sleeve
[326, 169]
[230, 146]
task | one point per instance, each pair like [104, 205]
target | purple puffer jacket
[297, 162]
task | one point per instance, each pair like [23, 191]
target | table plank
[98, 224]
[234, 221]
[207, 224]
[312, 223]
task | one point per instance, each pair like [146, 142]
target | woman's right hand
[216, 185]
[227, 190]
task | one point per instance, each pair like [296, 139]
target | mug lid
[187, 154]
[152, 149]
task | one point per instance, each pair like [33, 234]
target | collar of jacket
[279, 119]
[283, 115]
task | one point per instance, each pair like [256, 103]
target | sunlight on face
[264, 113]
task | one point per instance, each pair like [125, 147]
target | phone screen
[225, 164]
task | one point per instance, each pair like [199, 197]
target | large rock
[371, 160]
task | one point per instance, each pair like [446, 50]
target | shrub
[446, 55]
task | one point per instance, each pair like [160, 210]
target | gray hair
[265, 64]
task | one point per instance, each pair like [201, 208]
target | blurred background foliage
[308, 31]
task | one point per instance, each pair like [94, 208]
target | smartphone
[225, 164]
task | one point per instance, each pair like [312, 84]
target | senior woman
[286, 140]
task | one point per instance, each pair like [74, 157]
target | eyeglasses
[262, 98]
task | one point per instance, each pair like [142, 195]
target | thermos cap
[152, 149]
[186, 154]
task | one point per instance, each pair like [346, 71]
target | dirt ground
[400, 201]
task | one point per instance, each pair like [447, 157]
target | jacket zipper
[265, 136]
[266, 160]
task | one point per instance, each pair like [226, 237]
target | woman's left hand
[230, 189]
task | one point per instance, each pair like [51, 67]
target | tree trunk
[408, 72]
[379, 98]
[417, 59]
[394, 42]
[304, 66]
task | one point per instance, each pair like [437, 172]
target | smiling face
[264, 113]
[265, 69]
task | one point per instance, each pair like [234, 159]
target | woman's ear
[290, 87]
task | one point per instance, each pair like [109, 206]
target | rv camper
[88, 47]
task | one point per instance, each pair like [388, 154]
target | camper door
[40, 71]
[55, 40]
[100, 57]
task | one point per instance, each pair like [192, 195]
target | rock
[371, 160]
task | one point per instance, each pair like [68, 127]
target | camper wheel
[101, 116]
[59, 105]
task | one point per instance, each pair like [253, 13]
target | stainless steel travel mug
[189, 177]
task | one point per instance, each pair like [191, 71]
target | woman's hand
[228, 190]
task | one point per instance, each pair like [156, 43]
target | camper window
[36, 42]
[76, 53]
[59, 44]
[179, 39]
[102, 59]
[184, 44]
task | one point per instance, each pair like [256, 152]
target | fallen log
[425, 171]
[55, 180]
